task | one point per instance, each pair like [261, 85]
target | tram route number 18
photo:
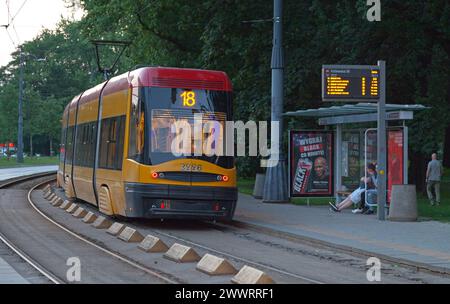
[188, 98]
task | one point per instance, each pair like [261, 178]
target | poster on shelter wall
[311, 163]
[394, 160]
[354, 162]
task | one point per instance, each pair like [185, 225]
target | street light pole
[381, 143]
[275, 185]
[20, 126]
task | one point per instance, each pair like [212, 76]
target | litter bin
[259, 185]
[403, 203]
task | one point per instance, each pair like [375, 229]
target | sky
[31, 17]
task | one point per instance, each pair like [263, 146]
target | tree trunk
[31, 145]
[446, 157]
[51, 146]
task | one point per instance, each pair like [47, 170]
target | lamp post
[275, 185]
[20, 110]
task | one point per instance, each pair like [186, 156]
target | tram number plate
[191, 168]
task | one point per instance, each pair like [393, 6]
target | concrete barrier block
[47, 191]
[90, 218]
[130, 235]
[80, 213]
[403, 203]
[182, 254]
[259, 185]
[72, 208]
[153, 244]
[115, 229]
[250, 275]
[47, 195]
[66, 204]
[58, 202]
[101, 223]
[213, 265]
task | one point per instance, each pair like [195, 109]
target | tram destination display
[350, 83]
[311, 163]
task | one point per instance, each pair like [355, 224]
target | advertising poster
[353, 163]
[394, 160]
[311, 163]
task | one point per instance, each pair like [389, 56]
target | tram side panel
[83, 159]
[109, 182]
[68, 184]
[62, 149]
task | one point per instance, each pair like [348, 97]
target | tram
[117, 146]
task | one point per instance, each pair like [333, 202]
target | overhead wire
[18, 11]
[10, 38]
[17, 35]
[9, 11]
[11, 22]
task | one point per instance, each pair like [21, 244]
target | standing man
[434, 173]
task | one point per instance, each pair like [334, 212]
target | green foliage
[69, 69]
[236, 37]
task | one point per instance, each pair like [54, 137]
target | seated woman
[355, 196]
[368, 199]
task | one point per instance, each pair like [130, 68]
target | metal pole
[338, 154]
[275, 186]
[405, 154]
[381, 146]
[20, 124]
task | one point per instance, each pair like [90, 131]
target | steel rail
[78, 236]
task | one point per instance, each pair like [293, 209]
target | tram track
[179, 239]
[180, 235]
[104, 249]
[240, 245]
[30, 261]
[28, 257]
[19, 252]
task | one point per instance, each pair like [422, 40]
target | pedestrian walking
[433, 179]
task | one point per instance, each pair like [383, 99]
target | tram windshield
[185, 123]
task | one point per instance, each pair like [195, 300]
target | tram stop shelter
[352, 148]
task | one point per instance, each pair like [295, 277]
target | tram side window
[137, 123]
[69, 145]
[85, 145]
[111, 143]
[62, 150]
[79, 147]
[92, 127]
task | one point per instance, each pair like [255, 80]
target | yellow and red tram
[117, 153]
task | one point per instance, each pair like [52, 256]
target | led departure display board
[350, 83]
